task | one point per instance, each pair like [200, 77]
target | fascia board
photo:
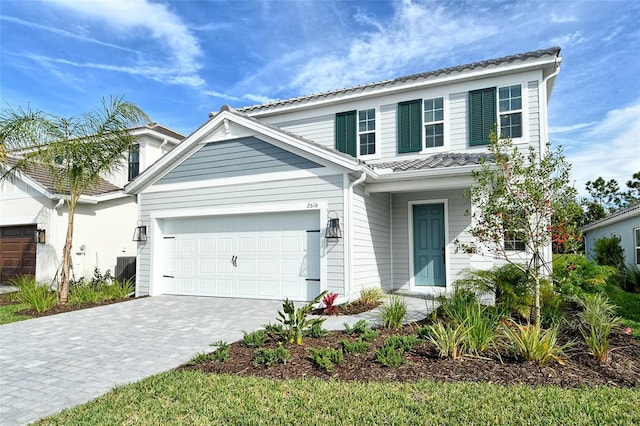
[532, 64]
[156, 135]
[613, 220]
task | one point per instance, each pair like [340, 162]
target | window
[356, 132]
[134, 161]
[482, 115]
[510, 107]
[434, 122]
[637, 245]
[367, 131]
[512, 242]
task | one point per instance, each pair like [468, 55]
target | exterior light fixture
[40, 236]
[333, 227]
[140, 233]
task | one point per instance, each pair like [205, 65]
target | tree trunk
[65, 276]
[536, 290]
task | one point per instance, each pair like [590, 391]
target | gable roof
[228, 114]
[550, 53]
[619, 216]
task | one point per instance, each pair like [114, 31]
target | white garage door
[264, 256]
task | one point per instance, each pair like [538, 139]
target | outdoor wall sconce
[140, 233]
[40, 236]
[333, 227]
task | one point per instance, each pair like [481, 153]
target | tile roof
[42, 175]
[446, 159]
[631, 211]
[553, 51]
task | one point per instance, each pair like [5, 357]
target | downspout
[361, 178]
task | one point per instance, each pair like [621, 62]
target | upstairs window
[134, 161]
[434, 123]
[510, 107]
[367, 131]
[356, 132]
[513, 242]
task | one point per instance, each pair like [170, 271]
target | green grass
[195, 398]
[629, 307]
[8, 313]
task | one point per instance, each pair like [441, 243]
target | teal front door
[429, 245]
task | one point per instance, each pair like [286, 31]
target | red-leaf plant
[328, 301]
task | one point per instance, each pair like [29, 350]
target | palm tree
[77, 151]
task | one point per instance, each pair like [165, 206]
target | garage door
[263, 256]
[17, 251]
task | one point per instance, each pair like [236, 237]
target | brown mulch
[5, 299]
[622, 369]
[353, 308]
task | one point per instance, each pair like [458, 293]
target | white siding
[371, 229]
[458, 222]
[319, 189]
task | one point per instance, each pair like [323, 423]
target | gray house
[624, 224]
[336, 191]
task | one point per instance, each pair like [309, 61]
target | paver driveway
[51, 363]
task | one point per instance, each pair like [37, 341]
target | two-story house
[336, 191]
[33, 216]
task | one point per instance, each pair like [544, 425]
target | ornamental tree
[76, 151]
[516, 197]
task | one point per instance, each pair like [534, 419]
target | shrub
[449, 339]
[481, 328]
[328, 301]
[80, 294]
[575, 275]
[316, 331]
[222, 353]
[269, 357]
[36, 296]
[274, 330]
[117, 290]
[632, 278]
[597, 320]
[406, 343]
[532, 343]
[370, 335]
[326, 358]
[453, 308]
[371, 296]
[358, 346]
[201, 358]
[390, 357]
[394, 312]
[358, 328]
[253, 340]
[296, 321]
[609, 252]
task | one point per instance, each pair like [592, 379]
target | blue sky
[179, 60]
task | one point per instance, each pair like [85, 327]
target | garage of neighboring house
[17, 251]
[265, 256]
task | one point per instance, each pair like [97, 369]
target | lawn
[8, 313]
[628, 307]
[196, 398]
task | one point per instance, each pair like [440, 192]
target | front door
[429, 245]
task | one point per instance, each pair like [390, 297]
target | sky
[181, 59]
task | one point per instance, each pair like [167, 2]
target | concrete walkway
[51, 363]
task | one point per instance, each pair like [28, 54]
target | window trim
[136, 147]
[636, 242]
[376, 133]
[512, 243]
[511, 111]
[445, 118]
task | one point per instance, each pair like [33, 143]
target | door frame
[427, 289]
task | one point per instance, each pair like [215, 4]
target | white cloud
[257, 98]
[215, 94]
[556, 19]
[567, 40]
[610, 149]
[571, 128]
[421, 32]
[144, 19]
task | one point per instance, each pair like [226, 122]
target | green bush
[597, 320]
[406, 343]
[38, 297]
[80, 294]
[326, 358]
[481, 328]
[117, 290]
[390, 357]
[371, 296]
[357, 346]
[532, 343]
[253, 340]
[575, 275]
[394, 312]
[358, 328]
[450, 339]
[632, 278]
[222, 353]
[275, 331]
[201, 358]
[269, 357]
[316, 331]
[296, 322]
[609, 252]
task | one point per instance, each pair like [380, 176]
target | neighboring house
[105, 219]
[624, 224]
[246, 205]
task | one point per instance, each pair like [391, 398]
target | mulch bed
[5, 299]
[622, 369]
[353, 308]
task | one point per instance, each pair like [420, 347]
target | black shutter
[410, 126]
[346, 136]
[482, 115]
